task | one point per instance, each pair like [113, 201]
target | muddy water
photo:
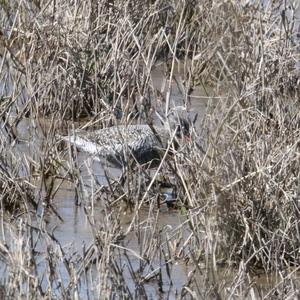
[75, 229]
[72, 228]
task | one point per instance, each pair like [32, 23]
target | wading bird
[144, 143]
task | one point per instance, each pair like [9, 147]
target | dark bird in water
[145, 143]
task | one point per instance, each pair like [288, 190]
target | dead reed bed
[67, 63]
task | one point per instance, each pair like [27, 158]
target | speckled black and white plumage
[117, 143]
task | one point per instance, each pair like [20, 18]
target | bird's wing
[113, 141]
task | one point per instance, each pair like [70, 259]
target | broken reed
[239, 196]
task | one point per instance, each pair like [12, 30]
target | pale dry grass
[237, 183]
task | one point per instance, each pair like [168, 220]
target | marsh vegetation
[233, 229]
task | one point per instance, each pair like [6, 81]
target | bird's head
[182, 127]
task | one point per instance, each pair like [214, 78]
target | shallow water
[76, 229]
[72, 228]
[70, 225]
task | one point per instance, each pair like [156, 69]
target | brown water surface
[72, 227]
